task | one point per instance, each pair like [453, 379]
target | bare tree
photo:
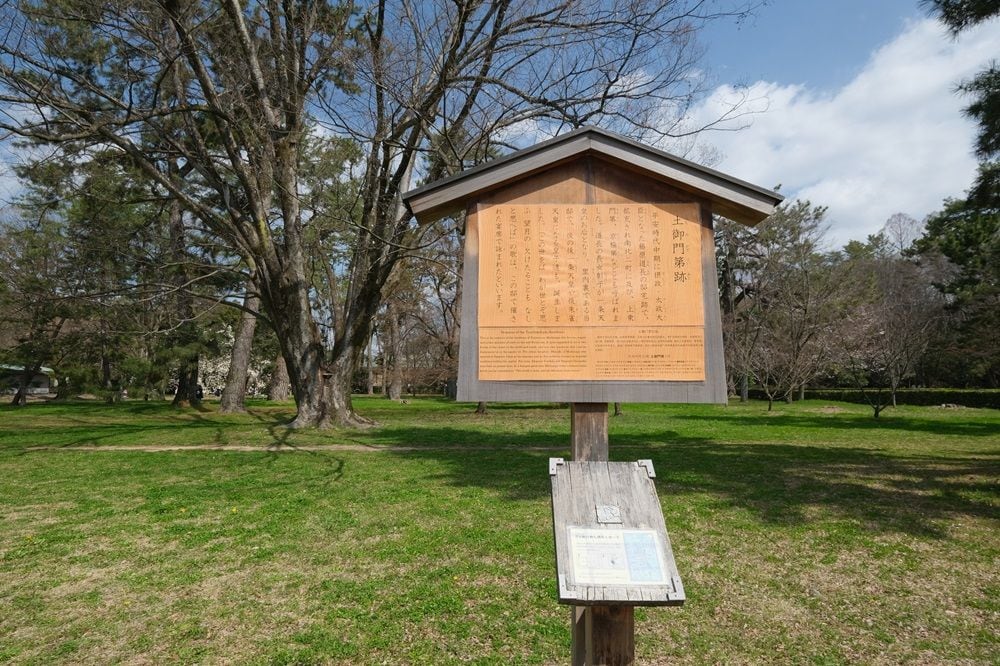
[781, 298]
[896, 313]
[901, 230]
[213, 102]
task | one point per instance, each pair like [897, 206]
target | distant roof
[20, 368]
[731, 197]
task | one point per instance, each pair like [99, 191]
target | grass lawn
[812, 534]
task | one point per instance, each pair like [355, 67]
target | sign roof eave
[737, 199]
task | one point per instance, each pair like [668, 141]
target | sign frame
[589, 180]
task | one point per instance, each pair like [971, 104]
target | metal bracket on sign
[648, 464]
[554, 465]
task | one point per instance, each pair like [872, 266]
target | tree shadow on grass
[778, 483]
[862, 423]
[74, 429]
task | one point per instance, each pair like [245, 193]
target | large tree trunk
[278, 388]
[321, 383]
[234, 394]
[745, 387]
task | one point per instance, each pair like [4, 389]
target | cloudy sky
[856, 106]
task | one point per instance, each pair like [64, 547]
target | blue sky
[852, 107]
[822, 43]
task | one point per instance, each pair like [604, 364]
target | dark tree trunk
[481, 408]
[234, 394]
[802, 392]
[105, 372]
[187, 381]
[62, 391]
[370, 375]
[745, 388]
[21, 395]
[186, 339]
[618, 409]
[394, 354]
[110, 395]
[278, 388]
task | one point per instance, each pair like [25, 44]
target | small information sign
[612, 546]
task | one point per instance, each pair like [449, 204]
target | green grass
[814, 534]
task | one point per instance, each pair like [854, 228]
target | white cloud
[892, 140]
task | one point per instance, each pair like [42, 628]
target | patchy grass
[808, 535]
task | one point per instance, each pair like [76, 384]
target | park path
[286, 448]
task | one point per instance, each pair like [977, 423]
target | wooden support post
[612, 636]
[589, 431]
[602, 635]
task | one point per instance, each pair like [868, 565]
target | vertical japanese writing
[557, 265]
[600, 267]
[586, 263]
[571, 264]
[643, 260]
[589, 265]
[542, 237]
[679, 247]
[628, 247]
[528, 254]
[659, 303]
[512, 263]
[498, 271]
[614, 259]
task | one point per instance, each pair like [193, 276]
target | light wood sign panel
[592, 292]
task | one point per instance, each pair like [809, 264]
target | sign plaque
[616, 557]
[598, 292]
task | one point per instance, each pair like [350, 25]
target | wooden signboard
[597, 287]
[612, 546]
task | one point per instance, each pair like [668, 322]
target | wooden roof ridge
[734, 198]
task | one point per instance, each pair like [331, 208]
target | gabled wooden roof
[731, 197]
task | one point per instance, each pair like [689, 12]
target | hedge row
[987, 398]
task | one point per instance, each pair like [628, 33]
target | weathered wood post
[614, 641]
[606, 633]
[590, 278]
